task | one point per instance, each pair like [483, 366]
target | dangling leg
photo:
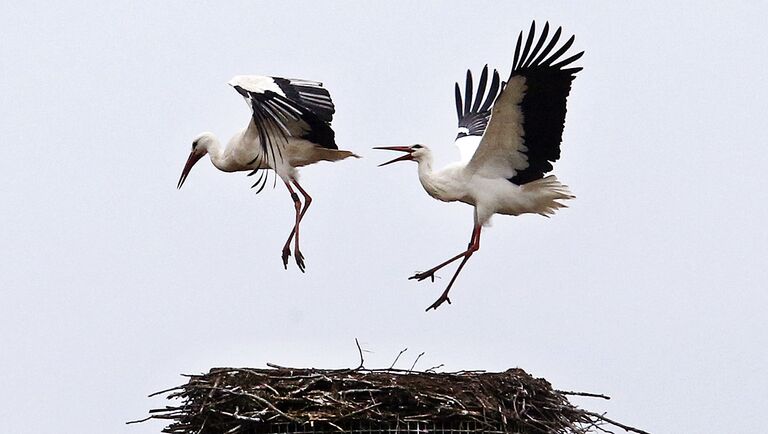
[431, 272]
[295, 230]
[286, 247]
[473, 247]
[307, 200]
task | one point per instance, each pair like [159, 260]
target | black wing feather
[536, 49]
[468, 93]
[493, 91]
[528, 43]
[480, 90]
[517, 50]
[459, 104]
[544, 102]
[550, 46]
[309, 95]
[278, 117]
[559, 52]
[474, 117]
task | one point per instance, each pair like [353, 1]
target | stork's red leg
[307, 200]
[431, 272]
[295, 231]
[474, 245]
[286, 247]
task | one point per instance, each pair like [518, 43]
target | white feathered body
[455, 183]
[245, 147]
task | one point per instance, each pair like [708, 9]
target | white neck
[425, 166]
[216, 153]
[427, 177]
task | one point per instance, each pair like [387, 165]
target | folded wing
[283, 108]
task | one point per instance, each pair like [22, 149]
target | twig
[591, 395]
[416, 361]
[360, 350]
[236, 416]
[271, 388]
[165, 391]
[267, 403]
[336, 426]
[432, 369]
[140, 420]
[202, 425]
[613, 422]
[272, 365]
[233, 430]
[360, 411]
[348, 391]
[398, 357]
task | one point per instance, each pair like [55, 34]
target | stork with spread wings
[508, 139]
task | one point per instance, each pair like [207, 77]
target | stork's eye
[194, 144]
[416, 147]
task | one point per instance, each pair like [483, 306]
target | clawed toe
[286, 255]
[300, 261]
[443, 298]
[421, 276]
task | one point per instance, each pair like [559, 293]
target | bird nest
[291, 400]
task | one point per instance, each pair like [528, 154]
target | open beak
[407, 157]
[193, 158]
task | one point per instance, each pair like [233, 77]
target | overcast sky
[650, 288]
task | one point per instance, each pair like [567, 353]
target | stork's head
[199, 149]
[412, 153]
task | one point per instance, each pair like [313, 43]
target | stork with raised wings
[290, 127]
[507, 139]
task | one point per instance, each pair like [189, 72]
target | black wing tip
[528, 59]
[567, 62]
[473, 104]
[459, 103]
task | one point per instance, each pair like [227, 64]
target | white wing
[467, 146]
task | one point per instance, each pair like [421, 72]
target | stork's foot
[286, 255]
[298, 256]
[423, 275]
[300, 260]
[443, 298]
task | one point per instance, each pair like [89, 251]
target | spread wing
[526, 125]
[283, 108]
[473, 117]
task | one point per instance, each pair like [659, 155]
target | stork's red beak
[193, 158]
[407, 157]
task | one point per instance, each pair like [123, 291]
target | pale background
[650, 288]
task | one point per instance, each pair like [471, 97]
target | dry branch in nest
[241, 400]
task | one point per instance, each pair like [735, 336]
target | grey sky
[650, 288]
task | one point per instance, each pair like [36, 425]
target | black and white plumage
[290, 127]
[474, 117]
[508, 139]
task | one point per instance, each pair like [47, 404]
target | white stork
[507, 140]
[289, 128]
